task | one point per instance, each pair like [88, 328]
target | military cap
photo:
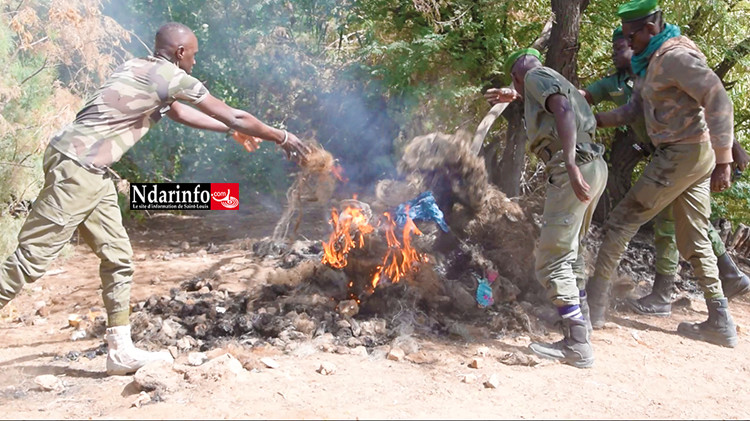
[511, 60]
[637, 9]
[617, 34]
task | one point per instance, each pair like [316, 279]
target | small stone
[269, 362]
[272, 310]
[204, 290]
[343, 324]
[197, 358]
[168, 330]
[142, 399]
[158, 376]
[185, 245]
[476, 362]
[396, 354]
[40, 307]
[49, 383]
[356, 328]
[359, 350]
[326, 369]
[493, 382]
[483, 351]
[353, 342]
[468, 378]
[342, 350]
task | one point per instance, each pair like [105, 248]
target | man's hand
[495, 96]
[721, 177]
[294, 148]
[250, 143]
[580, 186]
[740, 156]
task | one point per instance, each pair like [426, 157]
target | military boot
[718, 329]
[574, 349]
[733, 282]
[659, 302]
[598, 302]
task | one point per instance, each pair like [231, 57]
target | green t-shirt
[539, 84]
[618, 88]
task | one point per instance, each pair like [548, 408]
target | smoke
[266, 59]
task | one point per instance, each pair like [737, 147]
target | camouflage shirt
[120, 113]
[682, 100]
[541, 129]
[618, 88]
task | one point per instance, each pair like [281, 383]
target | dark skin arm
[565, 123]
[213, 114]
[189, 116]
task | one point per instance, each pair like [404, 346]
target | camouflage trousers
[73, 198]
[667, 255]
[558, 255]
[680, 175]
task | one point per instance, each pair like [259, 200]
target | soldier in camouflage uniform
[560, 127]
[690, 121]
[79, 193]
[618, 88]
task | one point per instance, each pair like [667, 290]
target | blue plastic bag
[421, 208]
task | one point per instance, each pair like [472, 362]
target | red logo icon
[225, 196]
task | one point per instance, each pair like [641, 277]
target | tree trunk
[563, 48]
[622, 160]
[507, 175]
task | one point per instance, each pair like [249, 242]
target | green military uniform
[618, 88]
[689, 119]
[78, 192]
[558, 254]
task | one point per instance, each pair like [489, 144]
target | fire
[349, 230]
[398, 261]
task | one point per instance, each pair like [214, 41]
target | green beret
[637, 9]
[617, 34]
[511, 60]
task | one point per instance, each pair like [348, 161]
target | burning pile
[351, 227]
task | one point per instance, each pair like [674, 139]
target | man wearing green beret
[618, 88]
[689, 118]
[560, 127]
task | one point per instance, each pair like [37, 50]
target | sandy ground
[643, 368]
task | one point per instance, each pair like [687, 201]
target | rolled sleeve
[540, 85]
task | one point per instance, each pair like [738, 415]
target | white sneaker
[123, 357]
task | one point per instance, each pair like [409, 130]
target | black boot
[598, 301]
[574, 349]
[733, 282]
[659, 302]
[718, 329]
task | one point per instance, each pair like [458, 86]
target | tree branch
[732, 58]
[44, 65]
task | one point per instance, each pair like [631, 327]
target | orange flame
[349, 230]
[398, 260]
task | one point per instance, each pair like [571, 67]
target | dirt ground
[643, 369]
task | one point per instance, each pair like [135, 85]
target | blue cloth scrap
[421, 208]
